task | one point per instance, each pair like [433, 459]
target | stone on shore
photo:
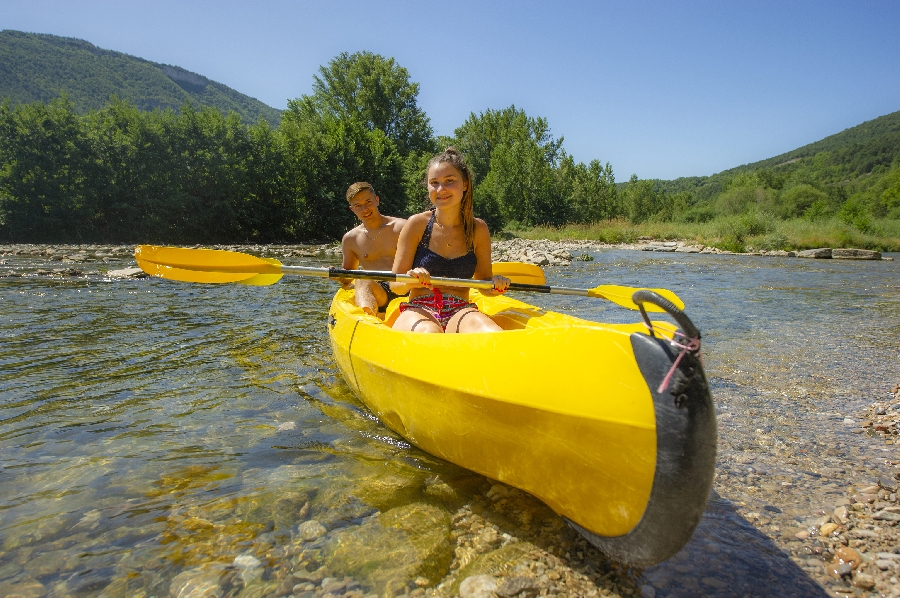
[855, 254]
[820, 254]
[537, 252]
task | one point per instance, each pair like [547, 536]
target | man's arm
[350, 260]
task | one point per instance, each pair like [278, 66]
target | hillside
[39, 67]
[871, 147]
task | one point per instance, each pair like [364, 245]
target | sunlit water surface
[148, 426]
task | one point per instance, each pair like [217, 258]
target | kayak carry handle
[644, 296]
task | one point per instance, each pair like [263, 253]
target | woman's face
[446, 185]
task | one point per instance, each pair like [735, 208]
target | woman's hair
[452, 155]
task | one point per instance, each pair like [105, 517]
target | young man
[371, 246]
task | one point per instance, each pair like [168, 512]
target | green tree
[137, 180]
[798, 200]
[890, 193]
[326, 154]
[523, 183]
[268, 208]
[46, 169]
[593, 191]
[640, 200]
[374, 91]
[514, 160]
[481, 134]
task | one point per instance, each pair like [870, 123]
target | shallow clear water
[148, 426]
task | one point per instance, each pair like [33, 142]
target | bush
[735, 231]
[739, 200]
[796, 201]
[817, 211]
[773, 241]
[697, 214]
[854, 213]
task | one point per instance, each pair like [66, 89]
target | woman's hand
[501, 283]
[423, 276]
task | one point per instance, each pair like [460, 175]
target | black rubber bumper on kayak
[685, 455]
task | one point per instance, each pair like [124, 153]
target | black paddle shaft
[462, 282]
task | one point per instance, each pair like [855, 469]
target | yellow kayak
[610, 425]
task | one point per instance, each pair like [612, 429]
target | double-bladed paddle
[217, 266]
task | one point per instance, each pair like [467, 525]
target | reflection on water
[150, 428]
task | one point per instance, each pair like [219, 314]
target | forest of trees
[120, 174]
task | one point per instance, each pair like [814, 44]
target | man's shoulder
[352, 234]
[396, 222]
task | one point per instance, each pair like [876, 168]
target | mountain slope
[39, 67]
[870, 147]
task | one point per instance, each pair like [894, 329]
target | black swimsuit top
[438, 265]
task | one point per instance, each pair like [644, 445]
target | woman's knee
[415, 321]
[473, 320]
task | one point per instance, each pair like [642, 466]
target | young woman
[447, 241]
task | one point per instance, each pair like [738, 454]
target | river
[163, 438]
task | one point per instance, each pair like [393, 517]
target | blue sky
[658, 89]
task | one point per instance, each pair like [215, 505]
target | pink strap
[692, 345]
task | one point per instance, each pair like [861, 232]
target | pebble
[864, 581]
[838, 569]
[478, 586]
[840, 515]
[311, 530]
[848, 555]
[249, 566]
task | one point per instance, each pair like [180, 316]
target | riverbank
[810, 516]
[741, 234]
[541, 252]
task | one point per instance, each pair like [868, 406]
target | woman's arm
[483, 267]
[409, 239]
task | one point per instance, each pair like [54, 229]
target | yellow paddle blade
[263, 280]
[170, 273]
[622, 296]
[206, 265]
[521, 272]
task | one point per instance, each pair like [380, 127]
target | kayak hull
[562, 408]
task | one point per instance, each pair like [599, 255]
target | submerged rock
[199, 582]
[495, 561]
[395, 546]
[478, 586]
[127, 273]
[311, 530]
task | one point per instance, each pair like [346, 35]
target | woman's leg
[471, 320]
[414, 319]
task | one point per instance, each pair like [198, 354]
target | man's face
[364, 204]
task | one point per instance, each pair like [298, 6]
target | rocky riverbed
[539, 252]
[797, 512]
